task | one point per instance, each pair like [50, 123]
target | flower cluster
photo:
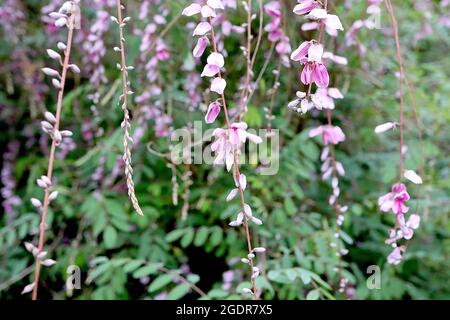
[65, 17]
[310, 54]
[9, 183]
[153, 51]
[395, 201]
[276, 32]
[228, 141]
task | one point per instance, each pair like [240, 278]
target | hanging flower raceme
[395, 202]
[276, 32]
[229, 140]
[310, 55]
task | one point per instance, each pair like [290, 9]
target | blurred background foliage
[187, 249]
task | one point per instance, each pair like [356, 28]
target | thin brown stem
[394, 25]
[236, 173]
[51, 161]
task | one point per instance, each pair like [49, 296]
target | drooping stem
[394, 25]
[126, 113]
[65, 66]
[237, 175]
[248, 58]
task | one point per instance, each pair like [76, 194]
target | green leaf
[194, 278]
[313, 295]
[187, 238]
[160, 282]
[110, 237]
[151, 268]
[174, 235]
[216, 236]
[179, 291]
[217, 294]
[133, 265]
[201, 236]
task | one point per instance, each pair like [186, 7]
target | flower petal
[213, 112]
[200, 47]
[218, 85]
[413, 177]
[192, 9]
[201, 29]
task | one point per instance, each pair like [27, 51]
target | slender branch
[65, 66]
[126, 120]
[394, 25]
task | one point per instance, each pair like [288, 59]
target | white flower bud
[48, 262]
[66, 133]
[50, 117]
[28, 288]
[53, 196]
[46, 180]
[42, 255]
[56, 83]
[50, 72]
[53, 54]
[259, 249]
[74, 68]
[61, 22]
[61, 46]
[36, 203]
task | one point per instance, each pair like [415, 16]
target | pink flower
[201, 29]
[218, 85]
[272, 9]
[202, 44]
[395, 257]
[192, 9]
[301, 52]
[305, 6]
[213, 112]
[394, 200]
[323, 98]
[161, 51]
[408, 227]
[330, 134]
[315, 72]
[229, 141]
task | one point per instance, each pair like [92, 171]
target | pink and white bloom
[301, 52]
[229, 141]
[412, 176]
[213, 112]
[324, 98]
[331, 21]
[407, 227]
[305, 6]
[330, 134]
[218, 85]
[214, 63]
[192, 9]
[202, 44]
[395, 257]
[395, 200]
[317, 73]
[202, 28]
